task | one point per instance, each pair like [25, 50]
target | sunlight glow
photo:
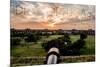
[51, 25]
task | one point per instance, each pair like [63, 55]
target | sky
[43, 15]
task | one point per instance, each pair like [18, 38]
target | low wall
[39, 60]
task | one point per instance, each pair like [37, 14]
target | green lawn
[35, 49]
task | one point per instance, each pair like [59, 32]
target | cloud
[54, 13]
[63, 13]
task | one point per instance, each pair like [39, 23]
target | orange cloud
[53, 16]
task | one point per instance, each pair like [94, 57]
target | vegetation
[33, 44]
[31, 48]
[24, 61]
[33, 52]
[32, 38]
[15, 42]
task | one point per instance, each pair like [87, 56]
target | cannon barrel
[53, 56]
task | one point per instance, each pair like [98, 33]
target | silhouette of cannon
[53, 56]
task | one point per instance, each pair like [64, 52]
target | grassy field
[35, 49]
[32, 49]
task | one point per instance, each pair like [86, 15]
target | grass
[35, 49]
[28, 51]
[32, 49]
[74, 38]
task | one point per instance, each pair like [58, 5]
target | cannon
[53, 56]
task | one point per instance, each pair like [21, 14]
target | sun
[51, 25]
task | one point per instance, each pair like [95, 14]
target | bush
[66, 49]
[32, 38]
[77, 45]
[83, 36]
[58, 43]
[15, 42]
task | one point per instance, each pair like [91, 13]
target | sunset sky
[42, 15]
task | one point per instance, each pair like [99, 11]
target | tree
[15, 42]
[50, 44]
[58, 43]
[32, 37]
[77, 45]
[83, 36]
